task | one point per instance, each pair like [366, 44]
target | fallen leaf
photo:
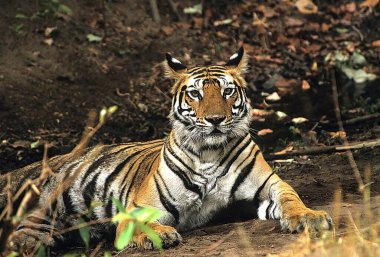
[289, 148]
[376, 43]
[195, 9]
[293, 22]
[299, 120]
[281, 115]
[274, 97]
[168, 31]
[48, 41]
[337, 134]
[49, 30]
[264, 132]
[306, 7]
[351, 7]
[93, 38]
[326, 27]
[222, 22]
[369, 3]
[198, 22]
[222, 35]
[261, 113]
[305, 85]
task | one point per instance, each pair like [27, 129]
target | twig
[97, 249]
[162, 93]
[359, 33]
[104, 14]
[324, 149]
[156, 14]
[350, 156]
[175, 10]
[362, 118]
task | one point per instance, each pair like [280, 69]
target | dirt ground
[51, 77]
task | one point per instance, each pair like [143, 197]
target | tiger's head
[210, 105]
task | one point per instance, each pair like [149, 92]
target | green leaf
[85, 234]
[125, 236]
[121, 216]
[65, 9]
[107, 254]
[93, 38]
[118, 204]
[156, 240]
[146, 214]
[35, 144]
[194, 9]
[102, 115]
[41, 251]
[112, 109]
[21, 16]
[12, 254]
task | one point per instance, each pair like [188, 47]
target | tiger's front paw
[314, 221]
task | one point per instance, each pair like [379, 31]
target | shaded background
[61, 59]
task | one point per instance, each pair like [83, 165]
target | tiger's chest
[198, 210]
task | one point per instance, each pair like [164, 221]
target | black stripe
[168, 206]
[69, 207]
[119, 168]
[89, 190]
[201, 70]
[165, 186]
[96, 164]
[267, 212]
[258, 192]
[170, 150]
[147, 157]
[244, 173]
[227, 167]
[183, 176]
[109, 211]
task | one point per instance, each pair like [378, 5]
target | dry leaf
[198, 22]
[289, 148]
[274, 97]
[281, 115]
[293, 22]
[337, 134]
[376, 43]
[351, 7]
[305, 85]
[49, 30]
[168, 31]
[299, 120]
[369, 3]
[48, 41]
[261, 113]
[264, 132]
[306, 7]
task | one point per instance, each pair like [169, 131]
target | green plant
[138, 220]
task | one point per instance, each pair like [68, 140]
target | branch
[324, 149]
[156, 14]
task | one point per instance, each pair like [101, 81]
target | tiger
[208, 162]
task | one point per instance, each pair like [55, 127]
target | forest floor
[52, 76]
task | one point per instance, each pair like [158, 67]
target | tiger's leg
[168, 235]
[33, 231]
[277, 200]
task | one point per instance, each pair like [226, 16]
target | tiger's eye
[194, 94]
[228, 91]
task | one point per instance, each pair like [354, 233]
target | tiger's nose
[215, 119]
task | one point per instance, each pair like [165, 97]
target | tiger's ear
[173, 67]
[238, 62]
